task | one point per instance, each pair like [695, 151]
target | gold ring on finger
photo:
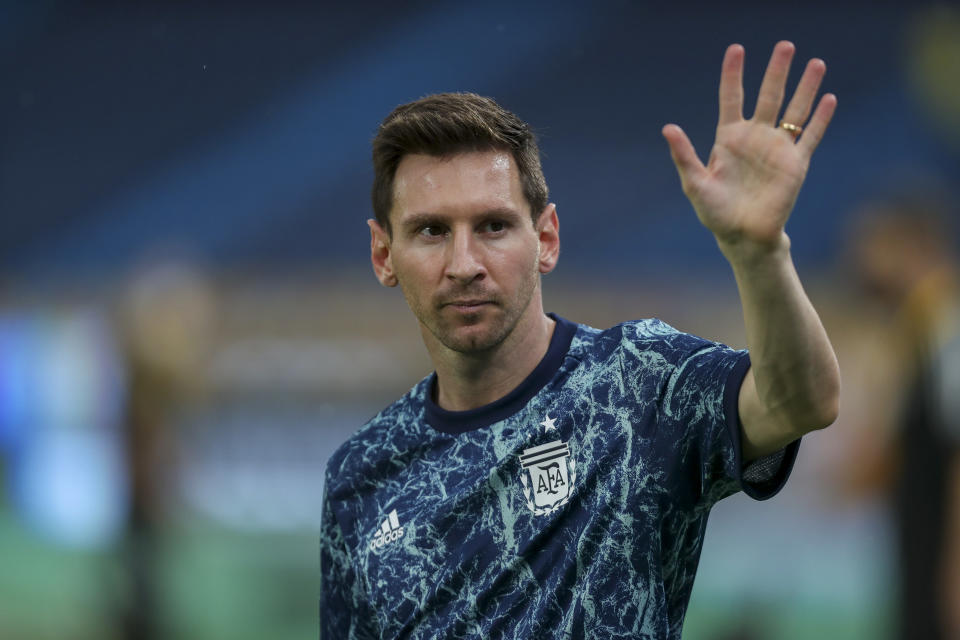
[793, 129]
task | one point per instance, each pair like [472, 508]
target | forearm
[793, 364]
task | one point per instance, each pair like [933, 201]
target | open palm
[747, 189]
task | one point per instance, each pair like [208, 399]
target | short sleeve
[702, 401]
[345, 612]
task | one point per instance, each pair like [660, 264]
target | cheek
[518, 264]
[533, 251]
[412, 264]
[416, 273]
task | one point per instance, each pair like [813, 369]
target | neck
[470, 380]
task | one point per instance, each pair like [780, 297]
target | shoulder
[650, 340]
[371, 444]
[648, 358]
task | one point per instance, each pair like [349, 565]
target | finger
[774, 80]
[731, 85]
[799, 108]
[818, 124]
[684, 156]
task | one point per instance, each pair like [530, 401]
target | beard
[473, 331]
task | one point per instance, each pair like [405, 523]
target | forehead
[464, 182]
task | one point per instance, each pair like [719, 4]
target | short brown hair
[448, 123]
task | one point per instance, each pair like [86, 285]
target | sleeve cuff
[762, 478]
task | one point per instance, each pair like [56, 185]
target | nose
[464, 259]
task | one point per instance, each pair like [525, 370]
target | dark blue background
[239, 133]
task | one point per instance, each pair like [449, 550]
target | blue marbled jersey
[574, 507]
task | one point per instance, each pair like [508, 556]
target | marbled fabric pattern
[645, 414]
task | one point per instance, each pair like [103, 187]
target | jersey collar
[463, 421]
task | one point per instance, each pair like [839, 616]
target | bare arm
[744, 195]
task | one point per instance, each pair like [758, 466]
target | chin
[475, 338]
[471, 343]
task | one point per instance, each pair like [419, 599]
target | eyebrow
[417, 220]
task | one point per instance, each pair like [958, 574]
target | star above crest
[548, 424]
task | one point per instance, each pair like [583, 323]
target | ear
[548, 231]
[380, 255]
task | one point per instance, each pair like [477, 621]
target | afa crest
[548, 474]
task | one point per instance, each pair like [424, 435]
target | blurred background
[189, 325]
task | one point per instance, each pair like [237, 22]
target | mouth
[467, 305]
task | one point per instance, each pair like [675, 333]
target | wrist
[747, 252]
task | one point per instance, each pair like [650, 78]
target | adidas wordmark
[389, 531]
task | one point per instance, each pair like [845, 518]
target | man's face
[464, 248]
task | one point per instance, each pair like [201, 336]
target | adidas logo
[389, 531]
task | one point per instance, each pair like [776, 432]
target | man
[905, 257]
[552, 480]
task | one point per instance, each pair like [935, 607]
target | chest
[515, 514]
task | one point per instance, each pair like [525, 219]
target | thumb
[684, 156]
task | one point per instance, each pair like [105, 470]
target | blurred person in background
[166, 323]
[437, 521]
[905, 259]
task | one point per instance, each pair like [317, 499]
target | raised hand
[746, 191]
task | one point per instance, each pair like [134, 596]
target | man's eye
[432, 231]
[495, 226]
